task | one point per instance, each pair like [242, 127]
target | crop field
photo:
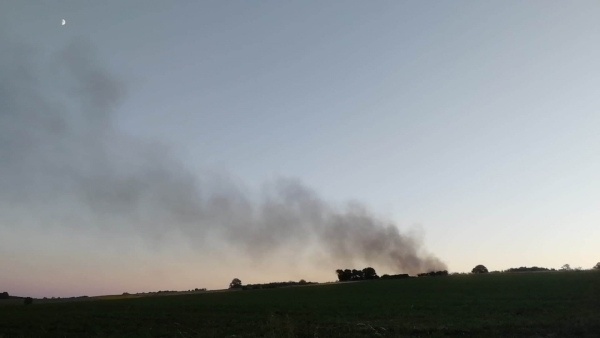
[492, 305]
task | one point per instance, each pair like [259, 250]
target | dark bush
[28, 301]
[4, 295]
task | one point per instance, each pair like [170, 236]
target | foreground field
[503, 305]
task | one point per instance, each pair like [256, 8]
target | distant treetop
[480, 269]
[236, 283]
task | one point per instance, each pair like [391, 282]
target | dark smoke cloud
[65, 161]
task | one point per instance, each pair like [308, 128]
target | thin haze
[477, 121]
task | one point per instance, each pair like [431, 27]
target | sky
[471, 128]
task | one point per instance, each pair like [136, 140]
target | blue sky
[476, 121]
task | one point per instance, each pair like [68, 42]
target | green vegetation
[538, 304]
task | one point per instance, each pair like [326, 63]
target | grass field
[493, 305]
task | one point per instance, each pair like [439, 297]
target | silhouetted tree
[28, 301]
[357, 275]
[236, 283]
[369, 273]
[302, 282]
[4, 295]
[479, 269]
[597, 266]
[566, 267]
[344, 275]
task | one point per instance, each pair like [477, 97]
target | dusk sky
[171, 145]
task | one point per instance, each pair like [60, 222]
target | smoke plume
[64, 163]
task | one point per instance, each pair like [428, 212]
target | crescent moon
[63, 22]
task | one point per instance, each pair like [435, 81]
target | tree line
[236, 283]
[482, 269]
[347, 275]
[434, 273]
[26, 300]
[526, 269]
